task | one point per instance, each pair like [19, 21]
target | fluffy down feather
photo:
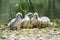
[45, 21]
[35, 20]
[15, 23]
[26, 20]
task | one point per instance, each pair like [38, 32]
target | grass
[0, 34]
[55, 24]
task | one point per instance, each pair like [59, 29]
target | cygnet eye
[36, 17]
[21, 16]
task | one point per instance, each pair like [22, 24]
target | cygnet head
[19, 15]
[36, 15]
[30, 15]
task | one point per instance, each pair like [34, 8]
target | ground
[48, 33]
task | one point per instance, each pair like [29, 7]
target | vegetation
[8, 8]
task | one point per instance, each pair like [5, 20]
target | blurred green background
[8, 8]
